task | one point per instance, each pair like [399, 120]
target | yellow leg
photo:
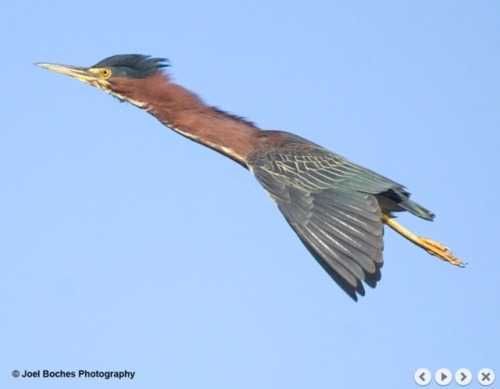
[430, 246]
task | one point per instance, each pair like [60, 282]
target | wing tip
[352, 290]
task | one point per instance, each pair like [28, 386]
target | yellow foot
[440, 251]
[433, 248]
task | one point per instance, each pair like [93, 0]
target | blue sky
[125, 246]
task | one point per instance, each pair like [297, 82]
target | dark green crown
[133, 65]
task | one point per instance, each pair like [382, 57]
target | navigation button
[486, 377]
[463, 376]
[443, 377]
[422, 377]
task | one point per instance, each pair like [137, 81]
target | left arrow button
[422, 377]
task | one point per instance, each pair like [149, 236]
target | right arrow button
[463, 376]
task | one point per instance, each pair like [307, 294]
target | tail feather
[416, 209]
[395, 200]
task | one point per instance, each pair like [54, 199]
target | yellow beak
[80, 73]
[91, 76]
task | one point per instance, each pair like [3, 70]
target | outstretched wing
[332, 205]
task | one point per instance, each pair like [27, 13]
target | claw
[440, 251]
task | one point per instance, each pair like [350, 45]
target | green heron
[336, 207]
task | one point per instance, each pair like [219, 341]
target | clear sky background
[125, 246]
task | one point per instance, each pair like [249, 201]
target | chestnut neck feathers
[185, 113]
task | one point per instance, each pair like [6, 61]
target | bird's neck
[185, 113]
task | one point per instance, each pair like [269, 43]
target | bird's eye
[105, 73]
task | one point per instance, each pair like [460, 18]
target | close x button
[486, 377]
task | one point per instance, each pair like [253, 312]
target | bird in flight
[336, 207]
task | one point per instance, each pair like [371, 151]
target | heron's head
[111, 74]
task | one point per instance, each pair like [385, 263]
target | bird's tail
[397, 199]
[416, 209]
